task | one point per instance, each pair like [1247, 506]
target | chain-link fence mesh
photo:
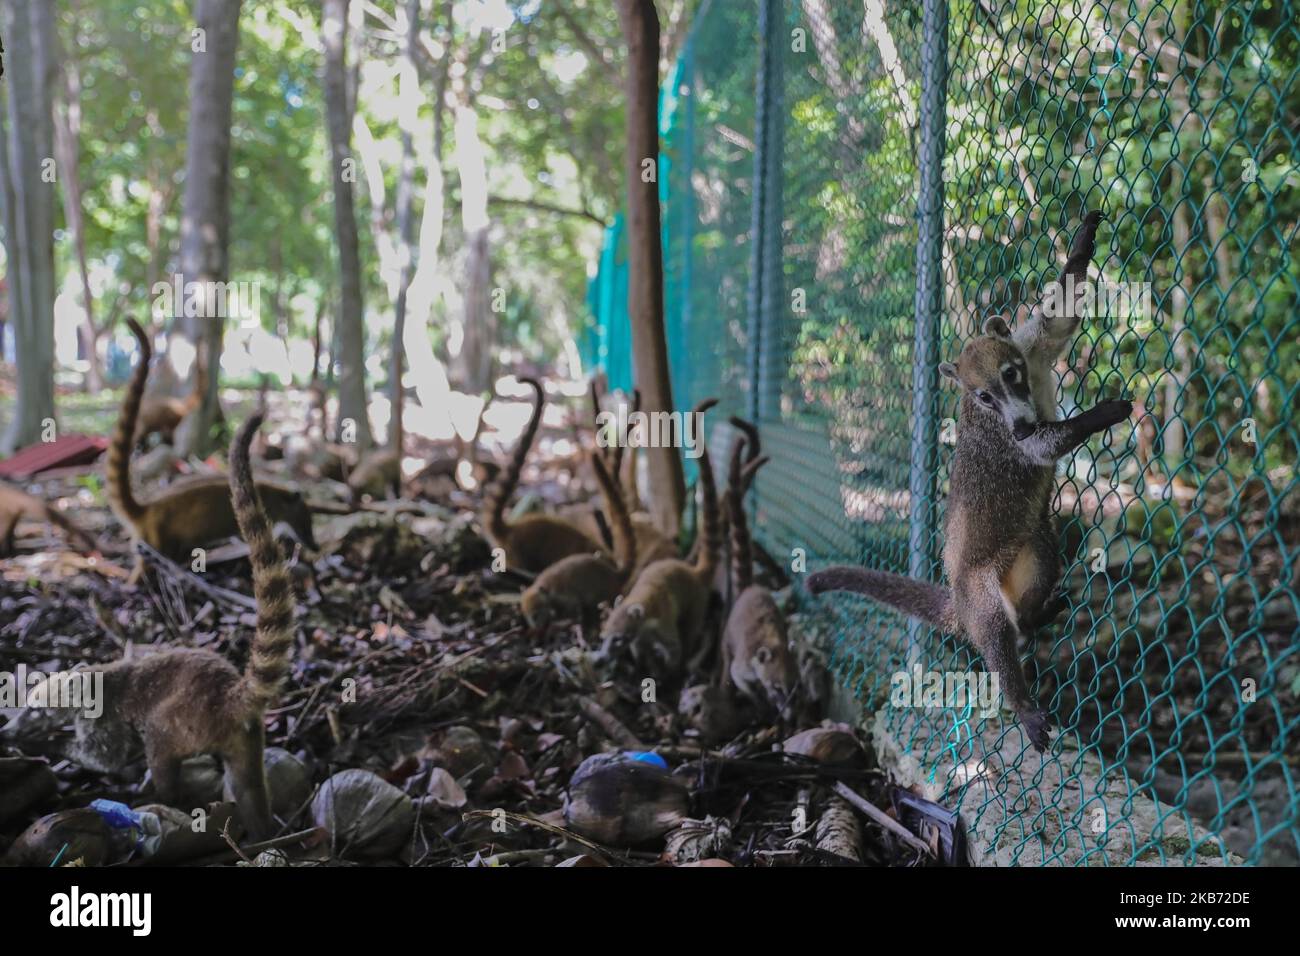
[851, 188]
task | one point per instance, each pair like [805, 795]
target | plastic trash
[647, 756]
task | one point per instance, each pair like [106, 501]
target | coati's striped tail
[1082, 248]
[268, 659]
[621, 521]
[753, 448]
[931, 603]
[738, 480]
[120, 495]
[493, 513]
[706, 562]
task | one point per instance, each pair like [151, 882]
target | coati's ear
[996, 326]
[948, 370]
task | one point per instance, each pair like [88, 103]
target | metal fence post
[771, 365]
[768, 17]
[922, 484]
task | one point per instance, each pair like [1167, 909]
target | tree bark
[474, 364]
[645, 290]
[205, 206]
[350, 317]
[409, 91]
[67, 132]
[29, 214]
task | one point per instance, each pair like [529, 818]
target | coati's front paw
[1112, 412]
[1036, 727]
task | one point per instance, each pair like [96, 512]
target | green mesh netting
[850, 189]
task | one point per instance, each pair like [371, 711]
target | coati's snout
[995, 374]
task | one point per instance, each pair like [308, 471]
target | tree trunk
[645, 256]
[67, 131]
[409, 92]
[205, 210]
[351, 312]
[475, 360]
[29, 215]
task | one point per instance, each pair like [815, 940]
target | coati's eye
[1011, 374]
[985, 398]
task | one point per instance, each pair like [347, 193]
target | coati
[535, 541]
[755, 648]
[576, 586]
[163, 413]
[189, 512]
[378, 473]
[1000, 548]
[749, 439]
[664, 612]
[651, 544]
[187, 701]
[15, 505]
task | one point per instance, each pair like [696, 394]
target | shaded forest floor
[424, 722]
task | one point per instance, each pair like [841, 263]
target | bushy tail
[706, 562]
[1082, 248]
[268, 659]
[621, 521]
[738, 479]
[931, 603]
[120, 495]
[493, 512]
[195, 398]
[753, 446]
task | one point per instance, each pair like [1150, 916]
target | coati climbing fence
[849, 188]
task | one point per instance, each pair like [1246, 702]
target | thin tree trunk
[475, 360]
[645, 256]
[409, 92]
[67, 132]
[351, 312]
[29, 235]
[205, 215]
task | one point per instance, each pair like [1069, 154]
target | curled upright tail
[1081, 250]
[493, 513]
[268, 660]
[622, 534]
[706, 562]
[931, 603]
[120, 495]
[738, 479]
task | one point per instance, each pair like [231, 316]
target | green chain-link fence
[850, 189]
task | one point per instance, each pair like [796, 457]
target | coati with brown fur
[651, 543]
[749, 439]
[535, 541]
[664, 612]
[1000, 549]
[378, 473]
[183, 702]
[576, 586]
[163, 413]
[755, 647]
[15, 505]
[190, 512]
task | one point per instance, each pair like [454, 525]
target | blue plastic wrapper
[646, 756]
[117, 815]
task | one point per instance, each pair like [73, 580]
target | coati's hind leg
[246, 782]
[7, 526]
[1040, 603]
[989, 626]
[164, 771]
